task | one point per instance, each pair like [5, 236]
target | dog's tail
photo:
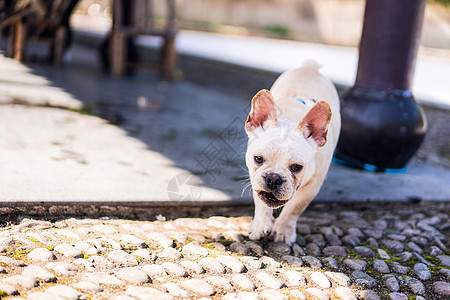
[311, 64]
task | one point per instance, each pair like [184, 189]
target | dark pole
[382, 125]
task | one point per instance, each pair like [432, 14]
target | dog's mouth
[270, 200]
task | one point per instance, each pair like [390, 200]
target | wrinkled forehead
[290, 145]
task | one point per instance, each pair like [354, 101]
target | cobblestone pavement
[398, 251]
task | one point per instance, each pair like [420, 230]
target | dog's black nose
[273, 181]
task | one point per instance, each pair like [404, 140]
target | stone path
[341, 253]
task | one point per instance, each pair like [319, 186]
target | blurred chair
[133, 18]
[37, 21]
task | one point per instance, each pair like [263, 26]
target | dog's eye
[259, 159]
[295, 168]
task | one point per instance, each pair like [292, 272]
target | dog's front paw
[260, 229]
[284, 232]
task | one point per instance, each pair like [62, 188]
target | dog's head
[280, 156]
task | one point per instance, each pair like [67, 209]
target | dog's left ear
[263, 112]
[315, 123]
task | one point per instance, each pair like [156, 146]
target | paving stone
[415, 285]
[131, 240]
[39, 274]
[339, 251]
[399, 269]
[242, 282]
[101, 262]
[297, 250]
[220, 282]
[154, 271]
[62, 268]
[445, 272]
[199, 238]
[198, 286]
[317, 239]
[68, 234]
[312, 262]
[340, 278]
[279, 248]
[122, 258]
[145, 254]
[398, 237]
[192, 266]
[435, 251]
[175, 291]
[65, 292]
[252, 263]
[133, 275]
[217, 246]
[240, 248]
[354, 231]
[7, 242]
[255, 247]
[320, 279]
[364, 280]
[344, 293]
[422, 259]
[333, 240]
[391, 283]
[40, 255]
[293, 261]
[170, 253]
[380, 266]
[26, 282]
[194, 249]
[303, 229]
[123, 297]
[8, 289]
[441, 288]
[421, 241]
[104, 278]
[413, 246]
[320, 295]
[355, 264]
[393, 245]
[300, 240]
[297, 294]
[383, 254]
[270, 262]
[211, 265]
[42, 295]
[235, 236]
[369, 295]
[422, 271]
[331, 263]
[313, 250]
[232, 262]
[273, 295]
[113, 243]
[174, 269]
[372, 242]
[268, 280]
[68, 250]
[88, 287]
[364, 251]
[2, 270]
[405, 256]
[444, 260]
[105, 229]
[351, 240]
[295, 278]
[86, 248]
[147, 293]
[161, 239]
[398, 296]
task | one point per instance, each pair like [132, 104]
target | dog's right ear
[263, 112]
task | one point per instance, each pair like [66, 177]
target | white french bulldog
[292, 130]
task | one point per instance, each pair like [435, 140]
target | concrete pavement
[176, 142]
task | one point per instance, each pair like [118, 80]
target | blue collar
[314, 101]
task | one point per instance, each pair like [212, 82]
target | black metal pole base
[380, 128]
